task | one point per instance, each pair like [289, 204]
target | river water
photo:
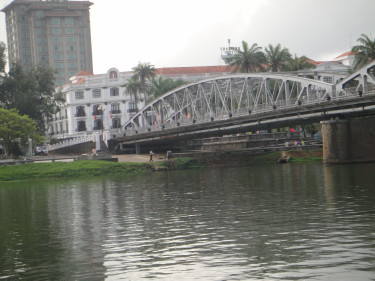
[272, 222]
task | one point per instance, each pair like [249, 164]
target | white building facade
[94, 103]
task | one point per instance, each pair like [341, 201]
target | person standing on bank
[151, 153]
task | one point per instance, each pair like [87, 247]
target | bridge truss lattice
[238, 95]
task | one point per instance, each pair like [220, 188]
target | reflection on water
[277, 222]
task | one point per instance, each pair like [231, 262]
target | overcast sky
[173, 33]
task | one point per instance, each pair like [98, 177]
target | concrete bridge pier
[348, 140]
[137, 148]
[335, 134]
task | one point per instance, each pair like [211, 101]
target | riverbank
[89, 168]
[136, 164]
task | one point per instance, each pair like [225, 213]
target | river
[270, 222]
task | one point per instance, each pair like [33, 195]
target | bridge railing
[260, 108]
[70, 142]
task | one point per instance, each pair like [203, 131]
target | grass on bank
[295, 156]
[69, 169]
[88, 168]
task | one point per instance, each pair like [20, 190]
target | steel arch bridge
[231, 96]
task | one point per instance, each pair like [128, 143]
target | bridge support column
[137, 148]
[349, 141]
[335, 134]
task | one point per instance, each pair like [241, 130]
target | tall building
[53, 33]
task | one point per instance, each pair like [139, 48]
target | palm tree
[365, 52]
[133, 86]
[277, 57]
[144, 72]
[247, 59]
[161, 85]
[299, 63]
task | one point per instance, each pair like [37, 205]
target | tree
[144, 72]
[364, 52]
[31, 92]
[14, 126]
[133, 86]
[2, 58]
[299, 63]
[161, 85]
[248, 59]
[277, 57]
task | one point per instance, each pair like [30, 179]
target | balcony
[97, 113]
[132, 110]
[117, 111]
[80, 114]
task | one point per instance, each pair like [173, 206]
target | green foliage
[14, 126]
[31, 92]
[133, 87]
[144, 72]
[2, 58]
[277, 57]
[138, 82]
[69, 170]
[161, 85]
[248, 59]
[299, 63]
[364, 52]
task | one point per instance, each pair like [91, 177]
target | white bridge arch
[237, 95]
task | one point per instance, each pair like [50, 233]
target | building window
[69, 21]
[70, 48]
[81, 126]
[59, 65]
[57, 48]
[113, 92]
[113, 75]
[98, 124]
[58, 56]
[79, 95]
[39, 14]
[132, 107]
[115, 108]
[39, 23]
[42, 40]
[96, 93]
[70, 39]
[56, 21]
[327, 79]
[72, 56]
[69, 30]
[56, 30]
[116, 123]
[40, 32]
[56, 39]
[96, 110]
[72, 65]
[80, 111]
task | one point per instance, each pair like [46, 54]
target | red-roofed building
[346, 58]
